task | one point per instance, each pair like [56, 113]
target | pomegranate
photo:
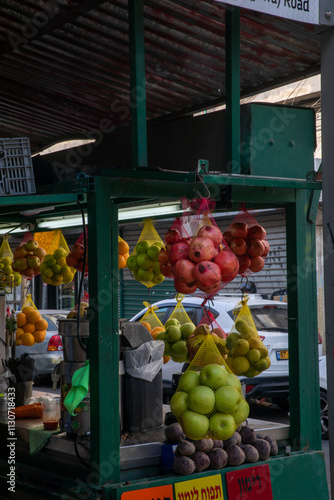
[166, 270]
[257, 264]
[256, 232]
[172, 236]
[77, 250]
[239, 230]
[219, 332]
[244, 263]
[255, 248]
[230, 277]
[213, 233]
[266, 248]
[184, 271]
[177, 252]
[163, 257]
[186, 288]
[228, 263]
[201, 249]
[207, 274]
[227, 237]
[186, 240]
[211, 290]
[238, 246]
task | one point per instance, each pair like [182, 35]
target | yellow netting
[179, 311]
[48, 240]
[28, 303]
[150, 317]
[123, 253]
[5, 250]
[209, 400]
[54, 269]
[8, 277]
[143, 262]
[247, 355]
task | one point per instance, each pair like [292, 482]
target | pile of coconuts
[196, 456]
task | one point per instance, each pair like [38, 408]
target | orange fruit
[21, 319]
[121, 261]
[29, 328]
[166, 359]
[155, 332]
[39, 335]
[19, 332]
[41, 324]
[123, 247]
[18, 342]
[27, 339]
[147, 325]
[27, 310]
[33, 317]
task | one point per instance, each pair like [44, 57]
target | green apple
[56, 268]
[167, 351]
[132, 263]
[142, 246]
[231, 339]
[187, 329]
[153, 251]
[188, 381]
[227, 399]
[59, 253]
[173, 333]
[21, 264]
[172, 322]
[51, 262]
[143, 261]
[8, 269]
[201, 399]
[31, 245]
[241, 326]
[233, 381]
[160, 244]
[178, 403]
[179, 349]
[156, 267]
[161, 336]
[6, 261]
[195, 425]
[221, 426]
[143, 275]
[242, 412]
[213, 376]
[157, 278]
[183, 358]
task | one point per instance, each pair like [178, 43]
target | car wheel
[324, 414]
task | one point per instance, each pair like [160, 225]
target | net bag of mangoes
[31, 326]
[247, 355]
[209, 402]
[8, 277]
[143, 261]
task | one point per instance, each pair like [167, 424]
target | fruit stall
[186, 458]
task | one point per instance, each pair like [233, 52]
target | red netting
[209, 319]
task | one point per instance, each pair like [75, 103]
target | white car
[48, 353]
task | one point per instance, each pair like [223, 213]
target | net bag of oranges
[247, 240]
[143, 261]
[123, 253]
[8, 277]
[31, 326]
[209, 402]
[54, 269]
[247, 355]
[150, 320]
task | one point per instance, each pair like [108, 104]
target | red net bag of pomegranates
[205, 263]
[209, 319]
[176, 243]
[247, 240]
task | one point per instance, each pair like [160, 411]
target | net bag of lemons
[247, 355]
[31, 326]
[8, 277]
[54, 269]
[143, 261]
[208, 402]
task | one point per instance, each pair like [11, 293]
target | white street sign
[306, 11]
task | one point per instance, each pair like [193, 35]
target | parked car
[48, 353]
[271, 321]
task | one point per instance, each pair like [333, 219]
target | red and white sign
[305, 11]
[156, 493]
[251, 483]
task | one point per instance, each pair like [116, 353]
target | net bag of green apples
[55, 269]
[247, 240]
[178, 329]
[247, 355]
[143, 261]
[209, 402]
[8, 277]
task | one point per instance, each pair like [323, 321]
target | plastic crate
[16, 169]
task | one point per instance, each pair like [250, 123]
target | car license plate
[282, 355]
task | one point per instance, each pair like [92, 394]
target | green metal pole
[305, 430]
[137, 84]
[103, 333]
[232, 76]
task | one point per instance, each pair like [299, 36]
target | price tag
[200, 489]
[252, 483]
[157, 493]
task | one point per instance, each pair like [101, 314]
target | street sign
[306, 11]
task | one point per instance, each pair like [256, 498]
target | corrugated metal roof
[65, 64]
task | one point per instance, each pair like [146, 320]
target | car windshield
[52, 321]
[269, 318]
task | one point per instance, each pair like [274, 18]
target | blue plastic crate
[16, 169]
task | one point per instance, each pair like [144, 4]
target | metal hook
[205, 186]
